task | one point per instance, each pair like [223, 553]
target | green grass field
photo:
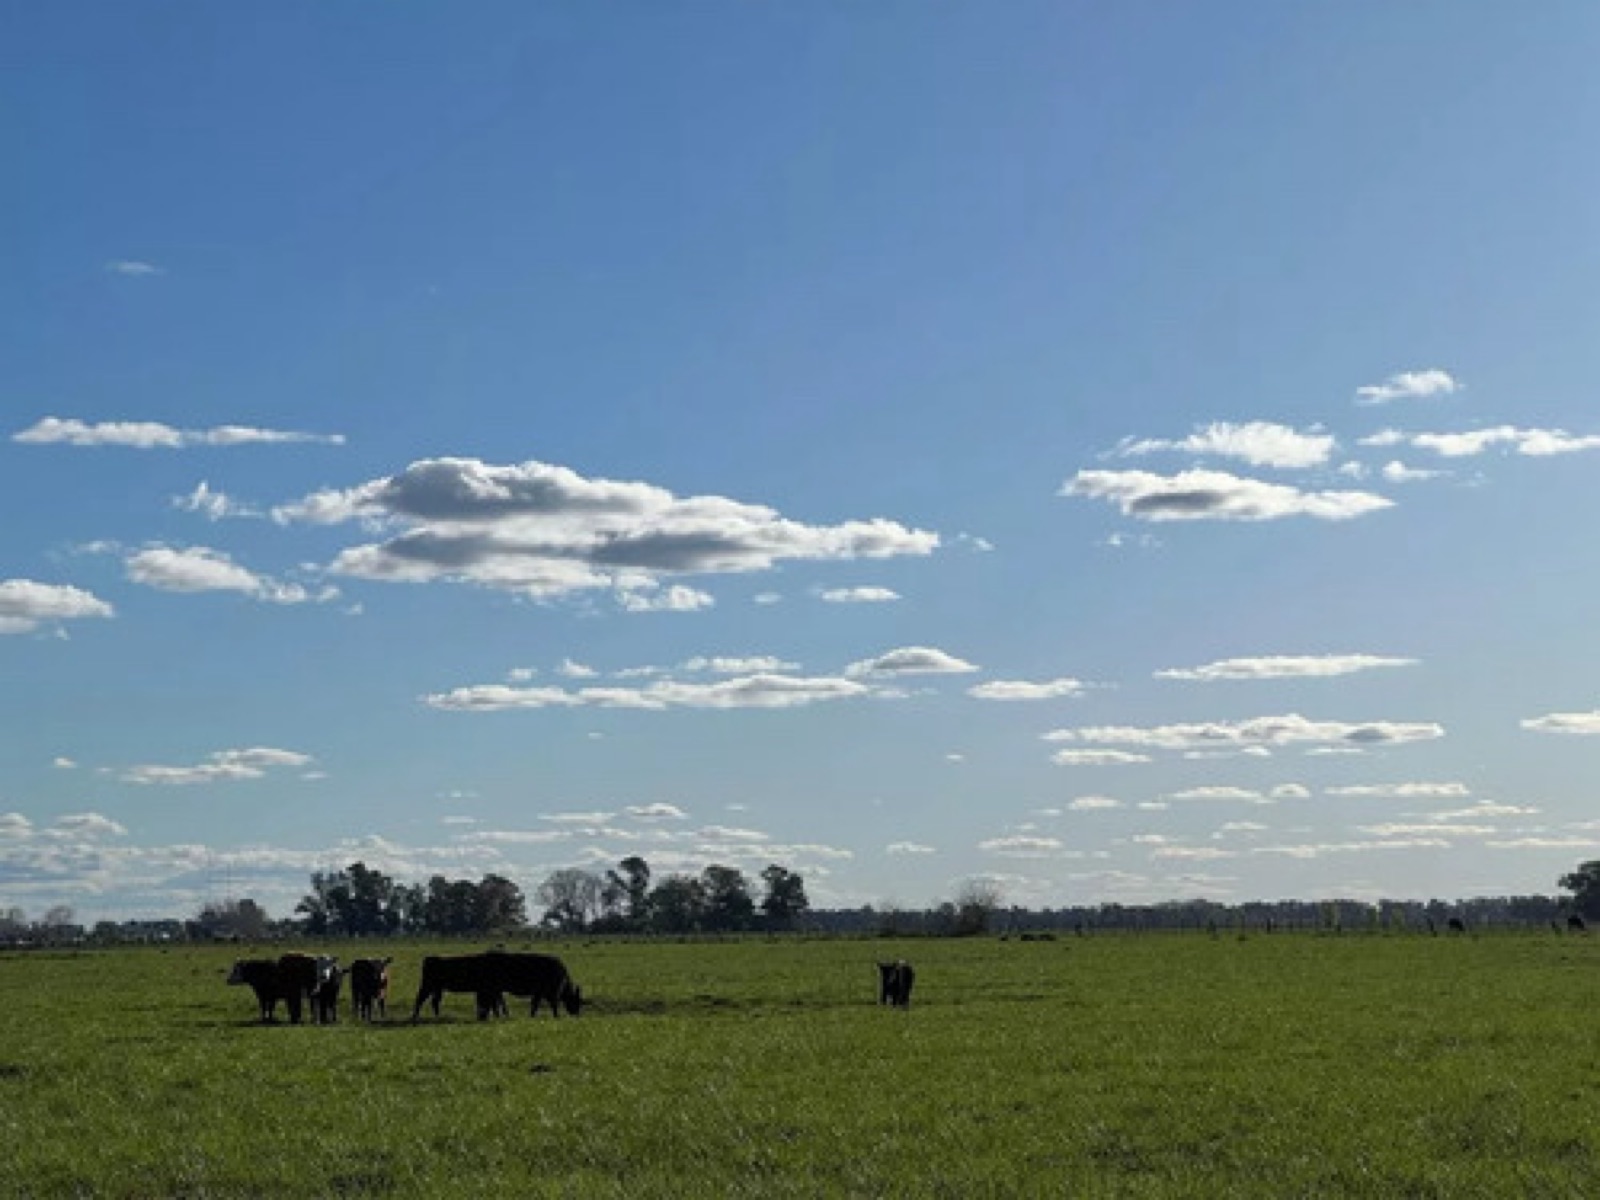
[1157, 1065]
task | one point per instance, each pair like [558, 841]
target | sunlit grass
[1156, 1065]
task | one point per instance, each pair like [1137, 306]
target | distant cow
[287, 979]
[894, 983]
[1457, 925]
[369, 988]
[491, 975]
[325, 993]
[1575, 924]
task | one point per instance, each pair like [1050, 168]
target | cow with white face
[325, 990]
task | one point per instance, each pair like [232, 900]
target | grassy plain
[1155, 1065]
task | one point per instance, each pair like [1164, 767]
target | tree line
[630, 899]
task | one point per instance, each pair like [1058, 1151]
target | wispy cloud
[1409, 385]
[1577, 723]
[752, 691]
[214, 506]
[1259, 443]
[909, 660]
[858, 595]
[201, 569]
[1216, 496]
[152, 435]
[1284, 666]
[1404, 791]
[1533, 443]
[26, 604]
[132, 267]
[221, 767]
[1021, 689]
[1096, 758]
[1289, 729]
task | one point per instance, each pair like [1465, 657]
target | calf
[325, 994]
[369, 987]
[894, 983]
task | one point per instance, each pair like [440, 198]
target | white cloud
[152, 435]
[133, 267]
[1579, 723]
[547, 531]
[898, 848]
[1288, 729]
[675, 598]
[214, 506]
[1284, 666]
[221, 767]
[1220, 793]
[858, 595]
[201, 569]
[728, 665]
[1093, 804]
[1291, 791]
[1398, 472]
[1404, 791]
[575, 670]
[750, 691]
[1096, 758]
[1409, 385]
[1018, 689]
[1021, 846]
[657, 812]
[909, 660]
[1532, 443]
[1259, 443]
[26, 604]
[1215, 495]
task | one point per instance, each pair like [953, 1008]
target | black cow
[1575, 924]
[1457, 925]
[490, 976]
[543, 978]
[369, 987]
[894, 983]
[272, 981]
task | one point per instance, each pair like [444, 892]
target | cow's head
[572, 998]
[236, 975]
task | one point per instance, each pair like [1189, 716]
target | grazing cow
[542, 977]
[1457, 925]
[894, 983]
[491, 975]
[369, 988]
[325, 995]
[1575, 924]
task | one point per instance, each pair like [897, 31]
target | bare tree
[977, 900]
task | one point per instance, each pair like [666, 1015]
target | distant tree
[728, 906]
[631, 884]
[678, 904]
[785, 900]
[357, 901]
[572, 898]
[57, 918]
[13, 921]
[976, 902]
[501, 905]
[1584, 884]
[232, 918]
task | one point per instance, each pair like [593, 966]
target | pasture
[1113, 1065]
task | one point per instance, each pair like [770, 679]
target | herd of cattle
[299, 980]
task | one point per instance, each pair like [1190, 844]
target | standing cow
[490, 976]
[894, 983]
[325, 994]
[369, 987]
[261, 974]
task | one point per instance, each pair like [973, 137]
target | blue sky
[1128, 452]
